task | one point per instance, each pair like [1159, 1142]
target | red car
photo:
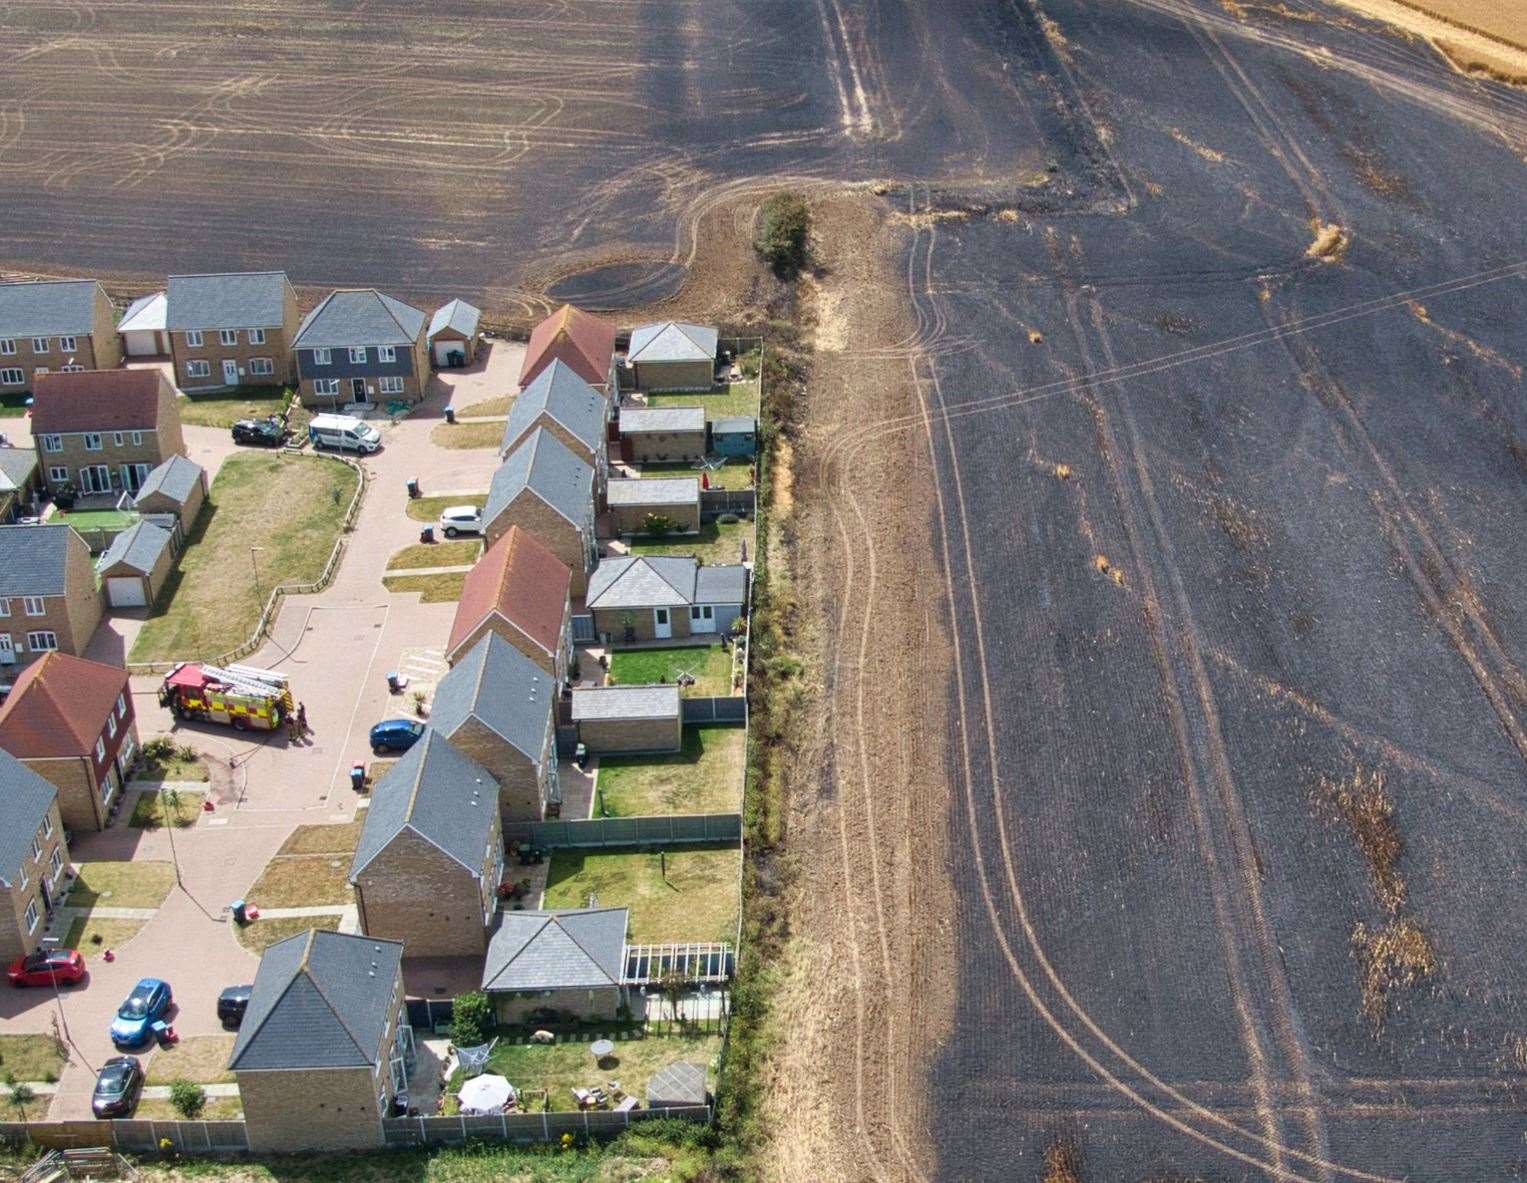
[45, 966]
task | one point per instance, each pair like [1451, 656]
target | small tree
[22, 1096]
[471, 1019]
[187, 1097]
[672, 986]
[784, 228]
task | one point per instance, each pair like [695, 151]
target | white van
[344, 433]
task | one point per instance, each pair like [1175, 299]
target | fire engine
[240, 695]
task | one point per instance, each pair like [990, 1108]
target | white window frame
[328, 386]
[58, 474]
[100, 750]
[193, 338]
[5, 606]
[13, 376]
[67, 369]
[111, 725]
[47, 825]
[56, 863]
[321, 357]
[7, 346]
[261, 367]
[357, 355]
[31, 912]
[387, 353]
[117, 439]
[121, 705]
[228, 336]
[256, 336]
[39, 345]
[67, 345]
[52, 442]
[41, 370]
[42, 641]
[137, 438]
[34, 605]
[390, 385]
[36, 848]
[198, 367]
[93, 441]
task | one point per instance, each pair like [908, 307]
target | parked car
[117, 1087]
[44, 967]
[395, 735]
[149, 1002]
[231, 1005]
[345, 433]
[264, 433]
[461, 519]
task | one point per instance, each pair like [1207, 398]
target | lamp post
[48, 943]
[259, 589]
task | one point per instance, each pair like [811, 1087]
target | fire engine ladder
[249, 680]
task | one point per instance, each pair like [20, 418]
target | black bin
[450, 414]
[413, 486]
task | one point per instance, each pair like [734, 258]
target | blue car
[395, 735]
[149, 1002]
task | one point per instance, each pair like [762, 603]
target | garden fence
[525, 1127]
[731, 709]
[715, 502]
[131, 1136]
[628, 831]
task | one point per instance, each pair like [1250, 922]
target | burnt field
[1230, 493]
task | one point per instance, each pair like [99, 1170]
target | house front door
[358, 389]
[230, 372]
[662, 623]
[7, 649]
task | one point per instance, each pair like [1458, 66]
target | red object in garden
[108, 956]
[207, 805]
[705, 480]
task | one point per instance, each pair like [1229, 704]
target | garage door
[444, 349]
[125, 591]
[144, 343]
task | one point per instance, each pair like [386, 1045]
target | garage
[453, 335]
[142, 327]
[126, 591]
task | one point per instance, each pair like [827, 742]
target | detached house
[361, 346]
[546, 490]
[431, 853]
[324, 1045]
[20, 482]
[231, 329]
[33, 857]
[48, 594]
[568, 407]
[71, 721]
[522, 592]
[673, 355]
[569, 961]
[104, 431]
[498, 707]
[655, 597]
[51, 325]
[580, 340]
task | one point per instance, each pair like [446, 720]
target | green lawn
[734, 474]
[697, 901]
[274, 514]
[741, 398]
[435, 589]
[436, 554]
[468, 435]
[92, 937]
[141, 884]
[711, 666]
[706, 777]
[714, 543]
[429, 509]
[153, 810]
[174, 766]
[31, 1058]
[258, 934]
[95, 519]
[560, 1067]
[223, 408]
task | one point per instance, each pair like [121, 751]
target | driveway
[336, 647]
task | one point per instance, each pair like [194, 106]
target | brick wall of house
[79, 802]
[494, 623]
[16, 939]
[602, 1003]
[675, 375]
[159, 503]
[71, 618]
[658, 447]
[312, 1109]
[631, 519]
[522, 784]
[242, 352]
[551, 529]
[632, 735]
[642, 622]
[415, 893]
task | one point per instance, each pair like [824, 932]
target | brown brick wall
[521, 783]
[413, 892]
[602, 1003]
[275, 348]
[494, 623]
[675, 375]
[614, 620]
[631, 519]
[79, 800]
[72, 618]
[632, 735]
[550, 528]
[158, 503]
[15, 940]
[656, 447]
[312, 1109]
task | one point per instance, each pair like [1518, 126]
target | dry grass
[324, 838]
[695, 899]
[153, 810]
[428, 509]
[32, 1057]
[216, 1109]
[1482, 62]
[302, 881]
[1063, 1162]
[199, 1058]
[1398, 954]
[488, 406]
[487, 434]
[259, 935]
[1363, 803]
[705, 777]
[113, 934]
[442, 588]
[436, 554]
[122, 884]
[1330, 243]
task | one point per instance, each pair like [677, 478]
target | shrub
[784, 228]
[471, 1019]
[161, 747]
[657, 524]
[187, 1097]
[187, 753]
[727, 519]
[22, 1096]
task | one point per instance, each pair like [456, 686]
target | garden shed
[613, 719]
[453, 335]
[734, 435]
[631, 502]
[658, 434]
[135, 566]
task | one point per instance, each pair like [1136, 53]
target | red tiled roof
[96, 400]
[59, 706]
[522, 581]
[581, 339]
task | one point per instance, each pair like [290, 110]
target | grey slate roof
[359, 316]
[625, 702]
[47, 308]
[643, 581]
[733, 425]
[24, 801]
[16, 467]
[678, 490]
[500, 687]
[145, 314]
[576, 948]
[175, 478]
[721, 583]
[679, 1083]
[320, 1000]
[228, 300]
[637, 420]
[563, 396]
[138, 548]
[551, 470]
[672, 340]
[34, 559]
[438, 792]
[458, 315]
